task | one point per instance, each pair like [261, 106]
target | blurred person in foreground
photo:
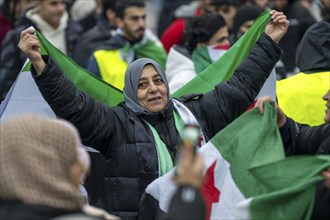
[49, 17]
[41, 167]
[188, 203]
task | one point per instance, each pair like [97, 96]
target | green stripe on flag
[153, 50]
[280, 187]
[233, 141]
[226, 65]
[290, 185]
[83, 80]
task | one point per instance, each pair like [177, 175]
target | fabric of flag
[151, 47]
[24, 97]
[247, 175]
[207, 80]
[204, 82]
[83, 80]
[300, 96]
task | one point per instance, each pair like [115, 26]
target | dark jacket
[13, 59]
[300, 20]
[300, 139]
[313, 52]
[92, 39]
[126, 140]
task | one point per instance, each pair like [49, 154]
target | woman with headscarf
[41, 166]
[139, 136]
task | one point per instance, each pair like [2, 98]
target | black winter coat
[300, 139]
[13, 59]
[126, 140]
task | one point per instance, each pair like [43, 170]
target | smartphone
[189, 138]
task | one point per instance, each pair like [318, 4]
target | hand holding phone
[189, 141]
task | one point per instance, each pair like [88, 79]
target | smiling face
[152, 92]
[326, 97]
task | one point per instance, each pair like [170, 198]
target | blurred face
[220, 37]
[20, 7]
[244, 28]
[133, 24]
[52, 11]
[152, 92]
[278, 5]
[228, 14]
[325, 4]
[262, 4]
[326, 97]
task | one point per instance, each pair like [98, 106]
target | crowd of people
[43, 168]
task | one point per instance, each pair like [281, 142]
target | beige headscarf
[35, 156]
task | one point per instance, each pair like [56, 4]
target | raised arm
[90, 117]
[232, 98]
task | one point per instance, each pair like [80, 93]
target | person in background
[85, 12]
[299, 95]
[302, 139]
[103, 31]
[300, 20]
[138, 137]
[10, 11]
[243, 19]
[182, 64]
[132, 41]
[325, 9]
[174, 33]
[41, 167]
[51, 19]
[313, 7]
[227, 9]
[167, 13]
[262, 4]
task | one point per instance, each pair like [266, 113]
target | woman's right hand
[30, 46]
[281, 117]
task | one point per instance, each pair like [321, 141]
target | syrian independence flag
[247, 175]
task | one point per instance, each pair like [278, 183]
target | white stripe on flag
[162, 189]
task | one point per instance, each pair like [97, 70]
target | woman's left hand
[277, 26]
